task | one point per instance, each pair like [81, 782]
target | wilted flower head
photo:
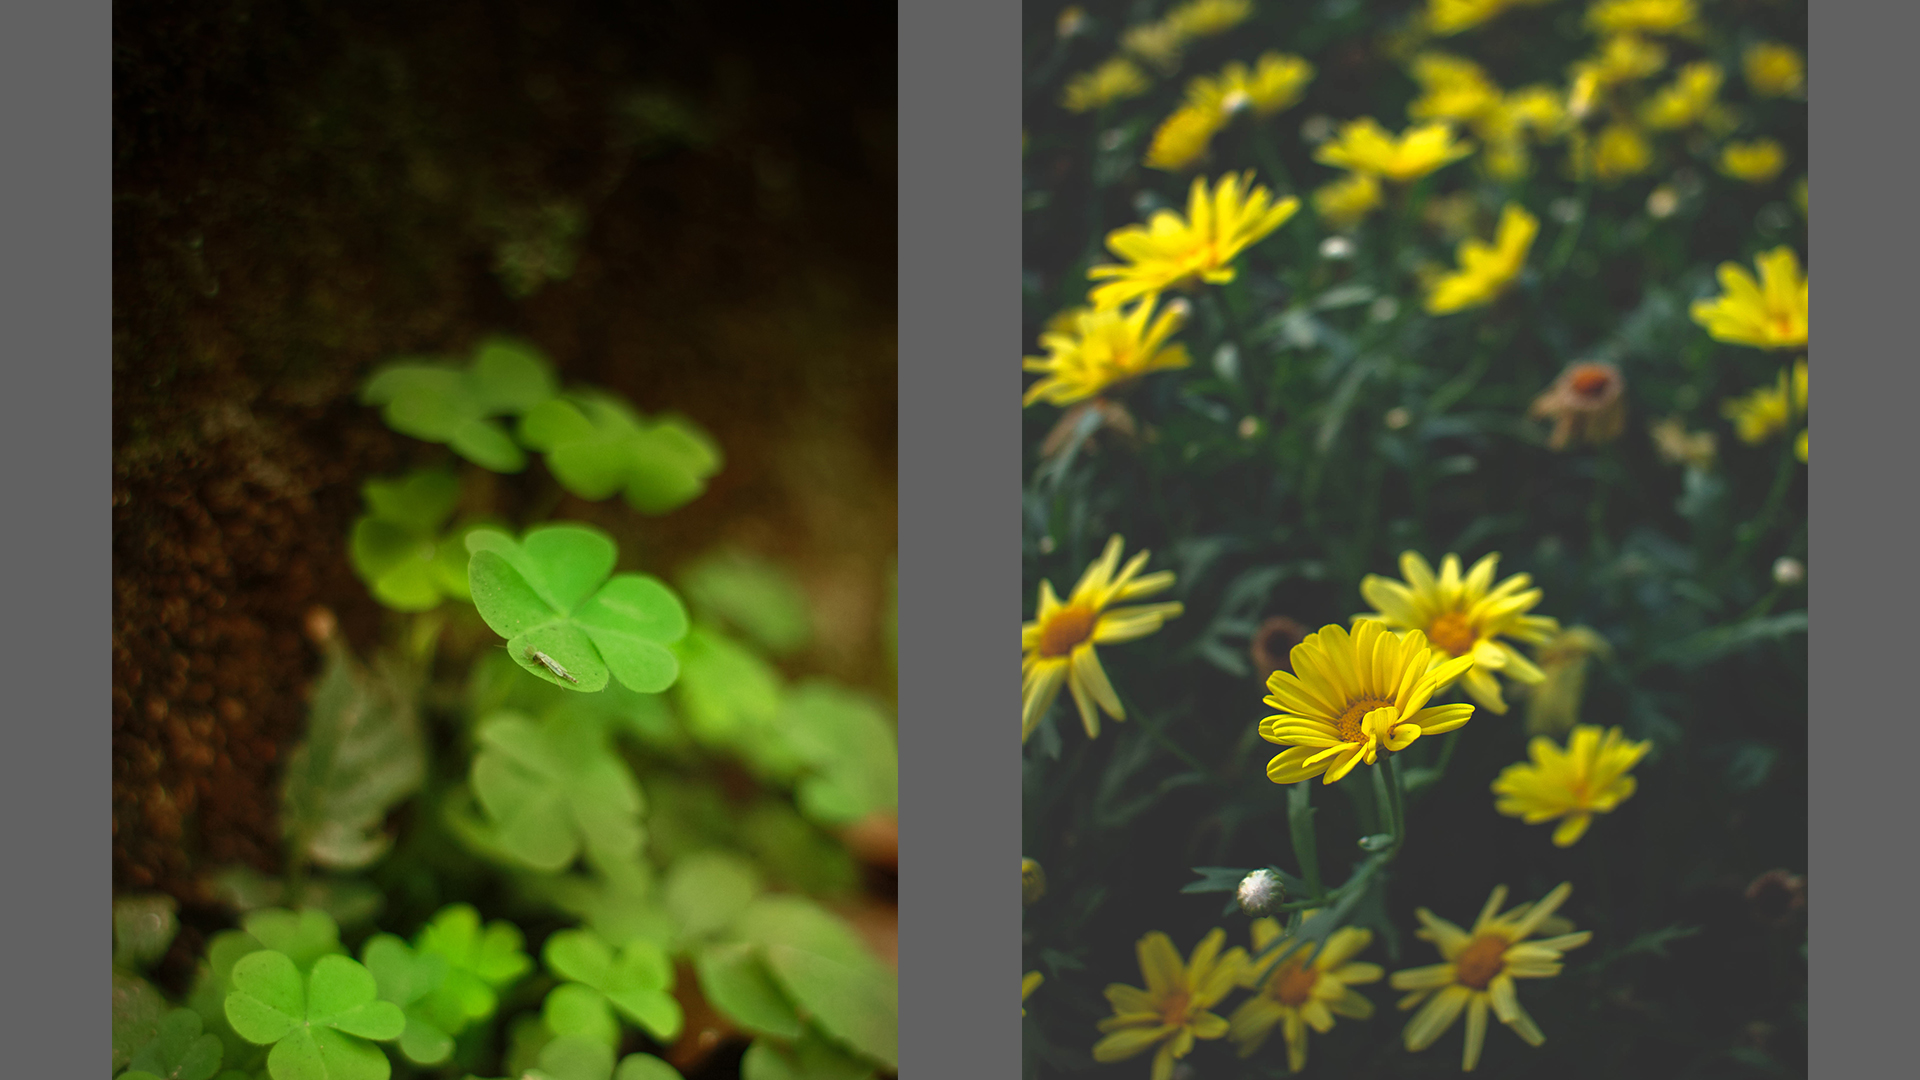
[1272, 643]
[1114, 81]
[1776, 896]
[1363, 146]
[1755, 162]
[1587, 402]
[1773, 69]
[1768, 314]
[1678, 446]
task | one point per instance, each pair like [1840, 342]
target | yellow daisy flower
[1649, 16]
[1589, 777]
[1486, 269]
[1174, 252]
[1351, 697]
[1622, 58]
[1755, 162]
[1774, 70]
[1464, 617]
[1182, 138]
[1480, 971]
[1452, 88]
[1297, 993]
[1346, 201]
[1058, 644]
[1364, 146]
[1028, 984]
[1687, 99]
[1205, 18]
[1277, 82]
[1172, 1011]
[1768, 314]
[1768, 411]
[1445, 17]
[1620, 151]
[1158, 44]
[1097, 351]
[1114, 81]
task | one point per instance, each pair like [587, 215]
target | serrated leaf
[363, 753]
[549, 596]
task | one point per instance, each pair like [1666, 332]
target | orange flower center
[1452, 632]
[1591, 382]
[1480, 961]
[1173, 1010]
[1295, 984]
[1068, 627]
[1349, 723]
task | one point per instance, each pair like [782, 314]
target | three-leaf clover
[456, 406]
[179, 1050]
[819, 963]
[565, 619]
[479, 964]
[596, 446]
[577, 1057]
[317, 1024]
[397, 546]
[852, 768]
[634, 980]
[551, 790]
[729, 696]
[406, 978]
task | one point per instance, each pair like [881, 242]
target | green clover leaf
[317, 1024]
[809, 1058]
[735, 980]
[635, 980]
[405, 978]
[552, 790]
[550, 596]
[576, 1057]
[456, 406]
[179, 1050]
[479, 964]
[825, 970]
[707, 890]
[729, 696]
[304, 936]
[138, 1008]
[596, 445]
[752, 594]
[852, 765]
[398, 548]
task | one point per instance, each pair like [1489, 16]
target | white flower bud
[1789, 571]
[1260, 892]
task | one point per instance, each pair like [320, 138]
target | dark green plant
[461, 407]
[400, 546]
[320, 1021]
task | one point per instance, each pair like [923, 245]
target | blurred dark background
[690, 204]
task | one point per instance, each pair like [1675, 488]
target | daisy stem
[1300, 824]
[1756, 530]
[1396, 810]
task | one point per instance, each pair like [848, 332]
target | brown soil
[692, 204]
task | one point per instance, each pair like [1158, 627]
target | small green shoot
[549, 594]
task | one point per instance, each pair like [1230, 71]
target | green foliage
[480, 963]
[406, 979]
[550, 594]
[633, 981]
[846, 747]
[752, 595]
[597, 446]
[810, 1058]
[550, 791]
[728, 694]
[827, 973]
[445, 403]
[317, 1022]
[400, 547]
[143, 927]
[138, 1008]
[179, 1050]
[364, 753]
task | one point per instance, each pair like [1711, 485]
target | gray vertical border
[55, 297]
[1863, 753]
[959, 538]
